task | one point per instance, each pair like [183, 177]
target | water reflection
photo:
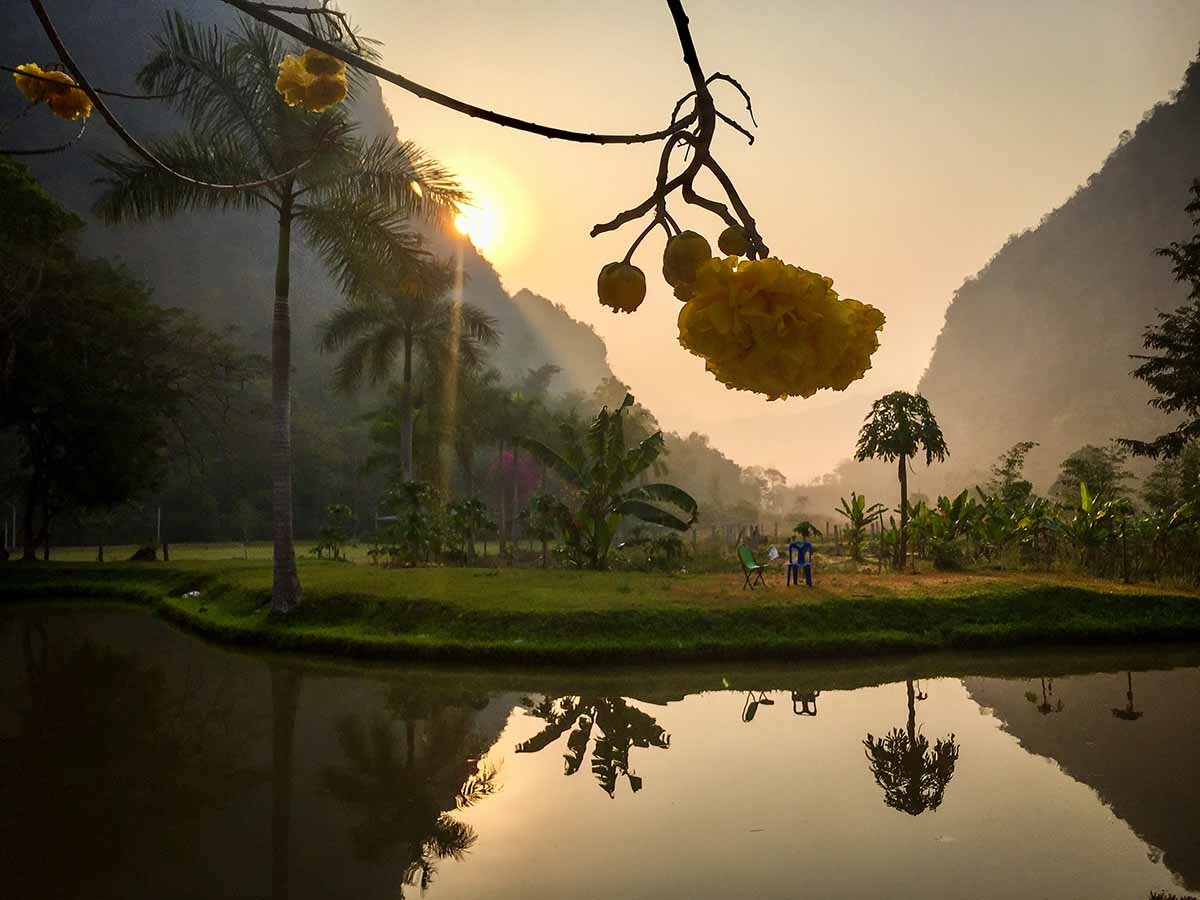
[400, 799]
[97, 731]
[618, 726]
[139, 762]
[1129, 714]
[913, 775]
[1046, 707]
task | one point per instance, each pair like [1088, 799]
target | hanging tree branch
[83, 84]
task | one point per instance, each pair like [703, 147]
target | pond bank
[534, 616]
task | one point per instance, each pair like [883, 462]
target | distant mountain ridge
[220, 265]
[1036, 345]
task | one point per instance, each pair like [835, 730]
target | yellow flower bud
[621, 286]
[684, 254]
[733, 241]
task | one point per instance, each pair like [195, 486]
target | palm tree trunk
[406, 410]
[285, 593]
[912, 713]
[516, 498]
[903, 511]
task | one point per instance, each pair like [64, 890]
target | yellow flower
[776, 329]
[59, 92]
[301, 86]
[321, 64]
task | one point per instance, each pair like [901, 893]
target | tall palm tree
[898, 426]
[346, 193]
[396, 314]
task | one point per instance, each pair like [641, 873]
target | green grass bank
[530, 615]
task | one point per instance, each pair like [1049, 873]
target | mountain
[1036, 345]
[111, 39]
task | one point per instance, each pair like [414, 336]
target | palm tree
[346, 192]
[898, 426]
[396, 314]
[600, 472]
[913, 775]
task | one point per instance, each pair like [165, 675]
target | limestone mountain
[1036, 345]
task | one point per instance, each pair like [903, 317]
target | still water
[137, 761]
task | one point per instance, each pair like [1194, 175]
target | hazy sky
[899, 145]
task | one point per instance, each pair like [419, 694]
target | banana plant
[858, 516]
[601, 473]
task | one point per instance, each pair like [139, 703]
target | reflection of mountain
[1144, 769]
[220, 265]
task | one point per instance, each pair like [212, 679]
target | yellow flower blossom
[59, 92]
[311, 83]
[776, 329]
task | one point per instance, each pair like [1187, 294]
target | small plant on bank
[465, 521]
[335, 534]
[858, 518]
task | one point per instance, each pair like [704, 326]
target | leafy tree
[102, 382]
[913, 774]
[35, 233]
[1101, 468]
[415, 534]
[1008, 481]
[899, 426]
[858, 517]
[347, 194]
[1171, 370]
[805, 529]
[399, 312]
[599, 470]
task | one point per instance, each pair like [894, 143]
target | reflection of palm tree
[402, 799]
[285, 698]
[913, 775]
[1129, 714]
[621, 727]
[1045, 707]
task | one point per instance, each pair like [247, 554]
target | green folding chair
[752, 570]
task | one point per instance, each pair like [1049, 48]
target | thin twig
[101, 91]
[42, 151]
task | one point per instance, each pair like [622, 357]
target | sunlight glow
[481, 225]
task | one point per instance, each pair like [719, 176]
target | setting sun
[481, 225]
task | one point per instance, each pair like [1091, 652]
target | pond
[139, 761]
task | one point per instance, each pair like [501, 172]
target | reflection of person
[800, 555]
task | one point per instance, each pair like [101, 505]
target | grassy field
[558, 615]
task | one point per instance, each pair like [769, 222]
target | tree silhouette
[620, 727]
[1128, 713]
[898, 426]
[913, 774]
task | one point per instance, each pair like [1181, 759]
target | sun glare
[481, 225]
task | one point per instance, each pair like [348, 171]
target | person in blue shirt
[800, 555]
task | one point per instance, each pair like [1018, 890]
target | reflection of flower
[59, 92]
[776, 329]
[314, 81]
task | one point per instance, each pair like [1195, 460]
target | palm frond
[398, 174]
[362, 243]
[665, 493]
[136, 190]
